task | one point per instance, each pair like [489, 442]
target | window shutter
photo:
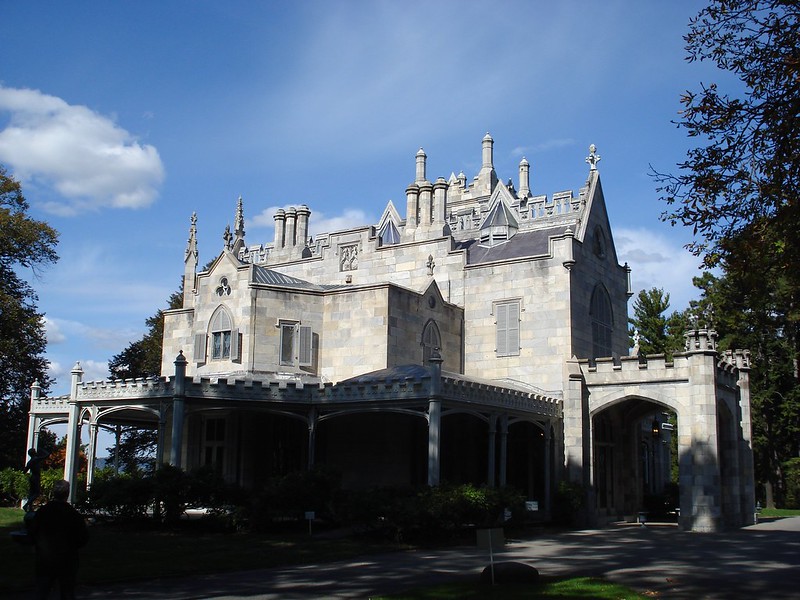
[512, 343]
[304, 353]
[507, 329]
[502, 329]
[200, 348]
[235, 344]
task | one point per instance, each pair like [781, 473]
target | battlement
[147, 387]
[56, 404]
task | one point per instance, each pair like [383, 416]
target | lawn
[115, 554]
[567, 589]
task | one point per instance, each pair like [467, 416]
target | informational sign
[532, 505]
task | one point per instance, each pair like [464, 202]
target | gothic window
[602, 323]
[295, 344]
[224, 338]
[348, 257]
[389, 235]
[214, 442]
[431, 340]
[599, 243]
[507, 328]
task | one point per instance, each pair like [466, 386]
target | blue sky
[122, 118]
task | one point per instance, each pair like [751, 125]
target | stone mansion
[480, 337]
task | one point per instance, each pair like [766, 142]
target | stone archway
[631, 460]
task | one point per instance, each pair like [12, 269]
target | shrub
[792, 473]
[569, 503]
[13, 486]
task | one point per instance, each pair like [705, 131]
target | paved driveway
[762, 561]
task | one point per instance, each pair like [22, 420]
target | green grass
[779, 512]
[565, 589]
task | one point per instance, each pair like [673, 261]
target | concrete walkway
[762, 561]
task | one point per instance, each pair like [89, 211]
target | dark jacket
[58, 531]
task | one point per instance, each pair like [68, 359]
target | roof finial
[593, 158]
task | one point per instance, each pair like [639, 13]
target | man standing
[58, 531]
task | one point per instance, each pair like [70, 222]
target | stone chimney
[524, 179]
[280, 229]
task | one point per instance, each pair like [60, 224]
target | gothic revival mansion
[478, 336]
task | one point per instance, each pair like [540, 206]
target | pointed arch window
[223, 336]
[431, 340]
[602, 323]
[389, 235]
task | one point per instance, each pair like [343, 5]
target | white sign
[532, 505]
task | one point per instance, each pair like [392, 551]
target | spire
[238, 227]
[190, 263]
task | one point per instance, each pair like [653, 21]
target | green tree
[25, 245]
[658, 333]
[739, 191]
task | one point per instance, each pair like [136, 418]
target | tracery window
[602, 323]
[348, 258]
[431, 340]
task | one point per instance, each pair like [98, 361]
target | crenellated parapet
[56, 404]
[125, 389]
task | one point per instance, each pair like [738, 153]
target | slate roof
[269, 277]
[523, 244]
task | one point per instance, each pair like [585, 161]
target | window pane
[287, 344]
[216, 345]
[226, 344]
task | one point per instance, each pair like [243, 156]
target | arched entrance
[633, 453]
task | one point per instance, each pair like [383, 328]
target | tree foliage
[25, 244]
[744, 173]
[658, 332]
[739, 191]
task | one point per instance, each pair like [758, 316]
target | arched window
[602, 322]
[431, 340]
[224, 338]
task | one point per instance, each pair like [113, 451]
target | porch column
[178, 410]
[434, 441]
[118, 436]
[33, 433]
[312, 437]
[548, 467]
[92, 454]
[434, 419]
[73, 432]
[503, 448]
[491, 466]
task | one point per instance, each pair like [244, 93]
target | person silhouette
[58, 531]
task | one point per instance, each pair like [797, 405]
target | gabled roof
[523, 244]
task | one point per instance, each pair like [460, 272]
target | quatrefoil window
[224, 288]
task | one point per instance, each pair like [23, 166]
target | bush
[792, 473]
[435, 514]
[124, 496]
[13, 486]
[569, 503]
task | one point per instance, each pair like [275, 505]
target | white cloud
[53, 332]
[85, 157]
[658, 261]
[93, 370]
[318, 223]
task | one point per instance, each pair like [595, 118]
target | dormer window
[389, 235]
[499, 226]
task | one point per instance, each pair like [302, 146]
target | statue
[34, 465]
